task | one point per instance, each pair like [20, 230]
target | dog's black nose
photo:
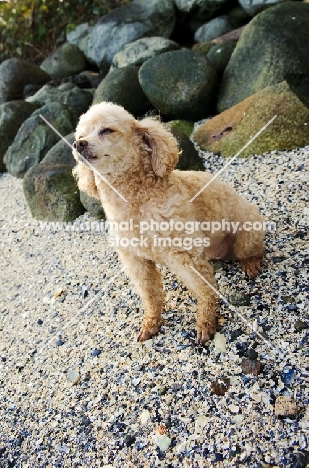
[80, 144]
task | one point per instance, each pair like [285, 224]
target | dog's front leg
[198, 281]
[148, 284]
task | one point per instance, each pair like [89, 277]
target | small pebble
[40, 322]
[252, 354]
[96, 352]
[220, 342]
[73, 377]
[249, 366]
[84, 291]
[59, 342]
[220, 386]
[286, 407]
[299, 325]
[129, 440]
[162, 441]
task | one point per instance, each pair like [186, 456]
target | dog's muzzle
[82, 148]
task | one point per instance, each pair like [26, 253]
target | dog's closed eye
[105, 131]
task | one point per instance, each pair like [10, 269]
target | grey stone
[253, 7]
[122, 87]
[15, 74]
[189, 159]
[35, 138]
[121, 26]
[12, 115]
[276, 43]
[74, 99]
[61, 153]
[201, 7]
[137, 52]
[80, 37]
[180, 84]
[65, 61]
[220, 54]
[52, 193]
[92, 205]
[213, 28]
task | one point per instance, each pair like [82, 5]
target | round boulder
[122, 87]
[61, 153]
[65, 61]
[74, 99]
[92, 205]
[276, 43]
[213, 28]
[15, 74]
[52, 193]
[35, 138]
[12, 115]
[180, 84]
[123, 25]
[229, 131]
[137, 52]
[220, 54]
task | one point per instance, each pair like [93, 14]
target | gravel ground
[77, 390]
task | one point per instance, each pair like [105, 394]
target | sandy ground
[77, 390]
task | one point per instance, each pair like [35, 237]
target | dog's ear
[85, 180]
[161, 145]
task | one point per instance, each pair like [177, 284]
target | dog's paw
[252, 267]
[146, 333]
[205, 332]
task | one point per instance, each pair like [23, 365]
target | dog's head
[113, 142]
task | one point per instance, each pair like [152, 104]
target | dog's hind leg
[148, 283]
[249, 250]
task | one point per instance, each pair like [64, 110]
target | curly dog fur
[138, 158]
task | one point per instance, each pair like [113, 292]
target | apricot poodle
[129, 166]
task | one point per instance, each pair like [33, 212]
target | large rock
[122, 87]
[199, 10]
[35, 138]
[126, 24]
[80, 37]
[61, 153]
[220, 54]
[65, 61]
[74, 99]
[180, 84]
[213, 28]
[189, 159]
[15, 74]
[92, 205]
[272, 48]
[137, 52]
[12, 115]
[253, 7]
[52, 193]
[230, 131]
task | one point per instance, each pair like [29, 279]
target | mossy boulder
[35, 138]
[220, 54]
[92, 205]
[15, 74]
[181, 84]
[122, 87]
[230, 131]
[12, 115]
[272, 48]
[61, 153]
[74, 99]
[137, 52]
[65, 61]
[189, 159]
[185, 126]
[52, 193]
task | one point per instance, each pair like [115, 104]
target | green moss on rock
[229, 131]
